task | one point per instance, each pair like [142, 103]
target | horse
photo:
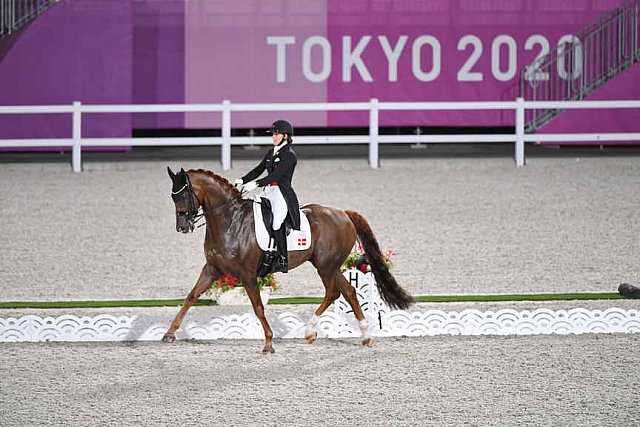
[230, 247]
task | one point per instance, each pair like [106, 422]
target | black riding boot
[282, 263]
[267, 263]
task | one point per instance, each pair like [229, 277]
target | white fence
[373, 139]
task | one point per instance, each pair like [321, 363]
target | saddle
[297, 240]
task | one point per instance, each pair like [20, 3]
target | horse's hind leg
[331, 293]
[349, 294]
[207, 276]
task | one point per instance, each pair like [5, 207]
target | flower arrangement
[268, 281]
[358, 259]
[227, 282]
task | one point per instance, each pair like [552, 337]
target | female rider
[279, 163]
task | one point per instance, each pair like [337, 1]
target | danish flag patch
[302, 241]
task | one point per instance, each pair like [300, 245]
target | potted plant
[228, 290]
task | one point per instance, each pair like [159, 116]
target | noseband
[191, 215]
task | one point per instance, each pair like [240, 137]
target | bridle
[192, 215]
[195, 211]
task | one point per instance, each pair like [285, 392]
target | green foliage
[358, 259]
[227, 282]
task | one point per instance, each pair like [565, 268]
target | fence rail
[373, 139]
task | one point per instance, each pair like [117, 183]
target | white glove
[238, 183]
[251, 185]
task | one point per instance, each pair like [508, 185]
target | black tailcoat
[280, 170]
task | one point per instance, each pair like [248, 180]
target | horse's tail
[392, 293]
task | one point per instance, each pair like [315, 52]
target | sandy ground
[584, 380]
[474, 226]
[459, 226]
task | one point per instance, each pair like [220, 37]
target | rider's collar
[278, 147]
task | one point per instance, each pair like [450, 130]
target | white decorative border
[332, 325]
[511, 322]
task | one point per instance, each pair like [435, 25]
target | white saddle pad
[297, 240]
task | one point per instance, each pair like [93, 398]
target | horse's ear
[182, 170]
[171, 174]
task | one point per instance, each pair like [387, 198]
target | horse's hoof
[266, 351]
[309, 339]
[368, 342]
[168, 338]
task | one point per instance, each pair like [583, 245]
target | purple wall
[460, 29]
[75, 51]
[158, 61]
[102, 51]
[169, 51]
[227, 57]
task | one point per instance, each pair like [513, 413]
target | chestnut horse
[230, 247]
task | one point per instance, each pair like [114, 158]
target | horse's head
[185, 200]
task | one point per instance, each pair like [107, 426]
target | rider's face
[277, 138]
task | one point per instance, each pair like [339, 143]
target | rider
[280, 163]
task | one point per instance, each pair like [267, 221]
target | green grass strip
[478, 298]
[520, 297]
[98, 304]
[306, 300]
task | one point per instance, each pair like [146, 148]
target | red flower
[364, 267]
[227, 282]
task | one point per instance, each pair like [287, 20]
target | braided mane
[224, 182]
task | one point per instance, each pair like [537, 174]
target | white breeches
[278, 204]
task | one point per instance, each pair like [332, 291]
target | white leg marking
[364, 328]
[311, 325]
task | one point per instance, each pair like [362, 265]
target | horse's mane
[224, 182]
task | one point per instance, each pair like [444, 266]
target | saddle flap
[297, 240]
[267, 214]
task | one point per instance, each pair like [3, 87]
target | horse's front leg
[253, 292]
[207, 276]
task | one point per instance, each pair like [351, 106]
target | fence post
[76, 152]
[520, 161]
[226, 135]
[374, 161]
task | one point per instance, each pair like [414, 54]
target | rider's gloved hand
[238, 183]
[251, 185]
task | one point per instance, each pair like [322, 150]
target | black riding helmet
[281, 126]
